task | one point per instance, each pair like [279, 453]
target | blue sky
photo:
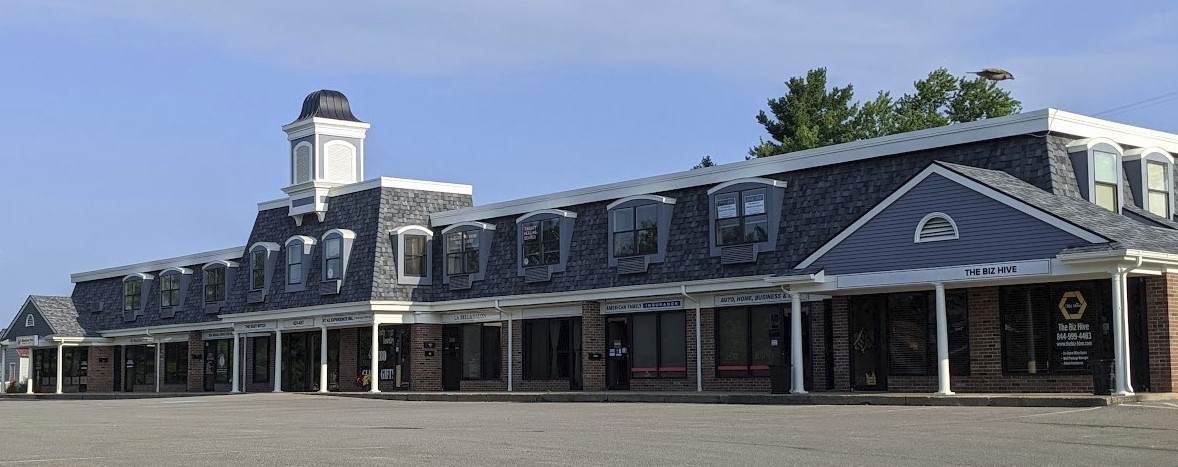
[142, 129]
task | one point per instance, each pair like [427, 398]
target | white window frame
[30, 321]
[346, 238]
[399, 235]
[924, 221]
[1088, 147]
[294, 154]
[304, 245]
[1145, 157]
[144, 287]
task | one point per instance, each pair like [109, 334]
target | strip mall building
[1005, 255]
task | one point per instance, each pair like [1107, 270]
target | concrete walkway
[819, 398]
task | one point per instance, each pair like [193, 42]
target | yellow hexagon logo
[1072, 305]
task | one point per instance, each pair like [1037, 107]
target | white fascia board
[1128, 135]
[157, 265]
[319, 310]
[1140, 153]
[325, 126]
[170, 329]
[273, 204]
[404, 184]
[993, 128]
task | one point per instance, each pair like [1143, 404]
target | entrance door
[300, 361]
[869, 371]
[617, 347]
[217, 360]
[451, 357]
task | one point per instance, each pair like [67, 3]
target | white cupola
[326, 151]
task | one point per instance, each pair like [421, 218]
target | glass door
[617, 343]
[451, 357]
[869, 371]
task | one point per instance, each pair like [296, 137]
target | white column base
[945, 393]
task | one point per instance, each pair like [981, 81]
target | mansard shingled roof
[63, 316]
[1121, 231]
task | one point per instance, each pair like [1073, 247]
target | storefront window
[743, 343]
[1053, 329]
[659, 347]
[176, 363]
[550, 346]
[75, 365]
[480, 351]
[217, 360]
[141, 360]
[262, 359]
[393, 359]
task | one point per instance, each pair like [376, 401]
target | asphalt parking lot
[296, 429]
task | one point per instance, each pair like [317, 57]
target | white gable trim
[655, 198]
[413, 228]
[760, 180]
[28, 301]
[558, 212]
[963, 181]
[480, 225]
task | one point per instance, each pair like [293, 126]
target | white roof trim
[558, 212]
[156, 330]
[404, 184]
[303, 238]
[271, 246]
[120, 271]
[1035, 122]
[211, 264]
[930, 216]
[138, 275]
[760, 180]
[481, 225]
[343, 233]
[655, 198]
[184, 271]
[274, 204]
[964, 181]
[1087, 144]
[1142, 153]
[411, 228]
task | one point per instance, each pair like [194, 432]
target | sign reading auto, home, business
[757, 298]
[345, 320]
[639, 307]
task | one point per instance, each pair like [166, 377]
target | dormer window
[466, 246]
[298, 255]
[935, 227]
[215, 284]
[414, 244]
[639, 227]
[1150, 174]
[263, 257]
[745, 215]
[1097, 162]
[337, 247]
[257, 269]
[134, 286]
[543, 243]
[173, 288]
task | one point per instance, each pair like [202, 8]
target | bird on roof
[994, 74]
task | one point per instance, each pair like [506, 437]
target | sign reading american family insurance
[970, 272]
[638, 307]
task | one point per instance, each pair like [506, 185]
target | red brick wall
[100, 376]
[840, 326]
[592, 340]
[426, 374]
[196, 368]
[1161, 304]
[349, 348]
[816, 378]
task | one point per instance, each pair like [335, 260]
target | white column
[797, 362]
[323, 359]
[60, 360]
[121, 367]
[236, 363]
[3, 367]
[942, 343]
[277, 360]
[1120, 348]
[27, 364]
[510, 353]
[374, 371]
[158, 364]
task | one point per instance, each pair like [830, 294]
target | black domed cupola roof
[326, 103]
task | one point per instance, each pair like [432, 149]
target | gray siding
[989, 232]
[40, 327]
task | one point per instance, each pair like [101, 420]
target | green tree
[705, 162]
[810, 115]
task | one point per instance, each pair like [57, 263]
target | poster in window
[754, 204]
[725, 208]
[1073, 331]
[531, 230]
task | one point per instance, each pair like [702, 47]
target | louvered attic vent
[935, 227]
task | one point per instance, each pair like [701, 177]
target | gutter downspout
[510, 346]
[699, 370]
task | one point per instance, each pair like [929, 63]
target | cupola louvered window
[302, 164]
[340, 163]
[936, 227]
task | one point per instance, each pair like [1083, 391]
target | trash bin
[778, 379]
[1103, 377]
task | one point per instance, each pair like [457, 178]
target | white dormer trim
[303, 238]
[1087, 144]
[181, 271]
[138, 276]
[222, 263]
[1142, 153]
[480, 225]
[343, 233]
[928, 217]
[655, 198]
[269, 246]
[413, 228]
[558, 212]
[760, 180]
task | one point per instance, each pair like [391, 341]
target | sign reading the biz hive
[1073, 334]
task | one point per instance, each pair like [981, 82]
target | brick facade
[426, 374]
[100, 376]
[1161, 303]
[592, 341]
[196, 368]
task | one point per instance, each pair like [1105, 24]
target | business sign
[256, 327]
[972, 272]
[302, 323]
[470, 317]
[1073, 335]
[345, 320]
[217, 335]
[27, 341]
[1072, 305]
[639, 307]
[757, 298]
